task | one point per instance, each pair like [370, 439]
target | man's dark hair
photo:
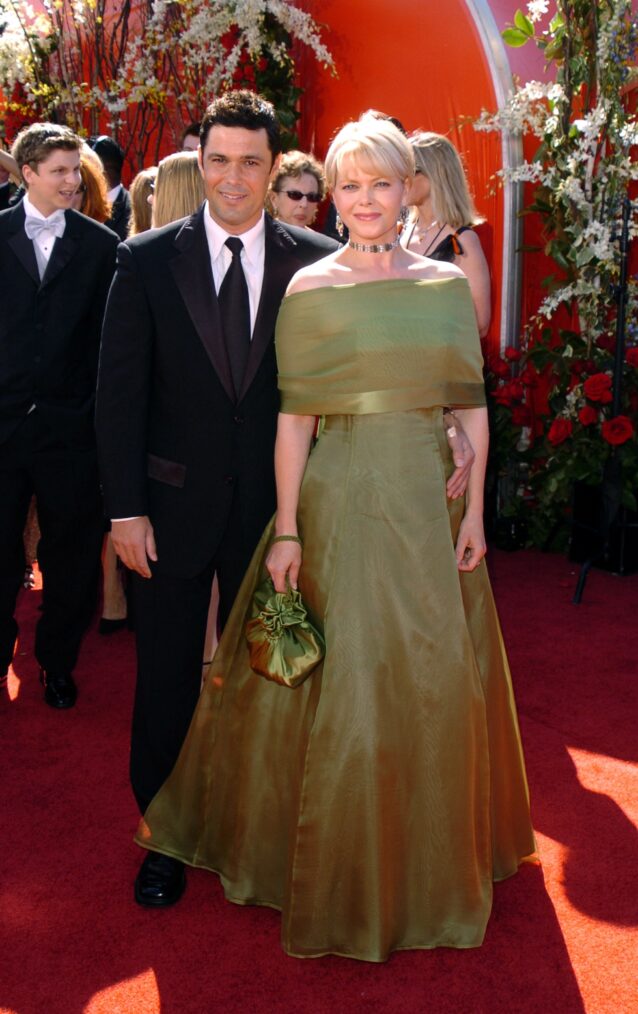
[191, 130]
[243, 109]
[376, 114]
[108, 150]
[34, 144]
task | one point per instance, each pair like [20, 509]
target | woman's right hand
[284, 559]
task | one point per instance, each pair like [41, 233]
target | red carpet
[562, 938]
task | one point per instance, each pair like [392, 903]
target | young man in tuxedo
[56, 267]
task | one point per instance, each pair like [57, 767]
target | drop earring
[339, 225]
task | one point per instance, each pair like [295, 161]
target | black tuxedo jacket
[120, 214]
[50, 329]
[174, 441]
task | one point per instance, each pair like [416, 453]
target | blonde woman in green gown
[376, 804]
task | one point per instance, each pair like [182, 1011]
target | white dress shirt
[252, 257]
[44, 242]
[113, 192]
[252, 261]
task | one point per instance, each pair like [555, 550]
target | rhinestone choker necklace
[373, 247]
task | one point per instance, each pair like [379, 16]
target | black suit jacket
[120, 214]
[50, 329]
[174, 441]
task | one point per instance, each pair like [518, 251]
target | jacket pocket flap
[170, 472]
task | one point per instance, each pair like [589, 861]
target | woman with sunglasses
[297, 189]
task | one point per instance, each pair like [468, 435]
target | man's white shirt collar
[112, 194]
[31, 210]
[253, 239]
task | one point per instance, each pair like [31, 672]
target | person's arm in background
[470, 544]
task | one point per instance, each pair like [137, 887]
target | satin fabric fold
[331, 361]
[375, 804]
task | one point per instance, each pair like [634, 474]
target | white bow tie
[55, 224]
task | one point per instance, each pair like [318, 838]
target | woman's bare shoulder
[426, 268]
[314, 276]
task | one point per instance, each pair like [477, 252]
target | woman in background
[140, 193]
[443, 216]
[297, 189]
[91, 196]
[179, 189]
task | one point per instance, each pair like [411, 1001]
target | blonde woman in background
[140, 192]
[443, 216]
[297, 189]
[179, 189]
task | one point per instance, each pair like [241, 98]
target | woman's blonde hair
[295, 164]
[375, 143]
[95, 203]
[438, 159]
[140, 191]
[179, 188]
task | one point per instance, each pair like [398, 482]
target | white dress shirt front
[44, 241]
[252, 257]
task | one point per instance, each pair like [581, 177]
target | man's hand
[462, 455]
[134, 543]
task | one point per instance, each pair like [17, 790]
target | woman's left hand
[470, 545]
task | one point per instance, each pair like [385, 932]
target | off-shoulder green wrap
[418, 348]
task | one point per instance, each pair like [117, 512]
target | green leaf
[523, 24]
[514, 37]
[556, 23]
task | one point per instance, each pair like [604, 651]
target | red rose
[238, 75]
[516, 390]
[502, 395]
[262, 64]
[249, 71]
[500, 368]
[632, 356]
[618, 430]
[529, 377]
[598, 387]
[587, 415]
[606, 342]
[512, 354]
[559, 431]
[521, 415]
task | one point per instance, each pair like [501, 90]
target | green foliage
[552, 405]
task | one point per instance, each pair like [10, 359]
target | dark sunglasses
[296, 195]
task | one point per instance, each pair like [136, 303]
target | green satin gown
[376, 803]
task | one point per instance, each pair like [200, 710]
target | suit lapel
[63, 250]
[193, 275]
[21, 245]
[280, 264]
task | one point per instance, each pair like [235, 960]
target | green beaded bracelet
[287, 538]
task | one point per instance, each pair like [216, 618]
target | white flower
[536, 9]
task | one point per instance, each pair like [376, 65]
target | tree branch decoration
[551, 398]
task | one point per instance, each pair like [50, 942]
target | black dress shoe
[106, 627]
[60, 690]
[161, 881]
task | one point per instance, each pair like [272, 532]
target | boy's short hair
[35, 143]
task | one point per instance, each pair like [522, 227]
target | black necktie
[235, 312]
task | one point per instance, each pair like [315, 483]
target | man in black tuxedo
[112, 158]
[55, 270]
[186, 417]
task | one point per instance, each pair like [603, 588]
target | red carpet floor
[562, 938]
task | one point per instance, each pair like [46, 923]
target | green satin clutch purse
[284, 646]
